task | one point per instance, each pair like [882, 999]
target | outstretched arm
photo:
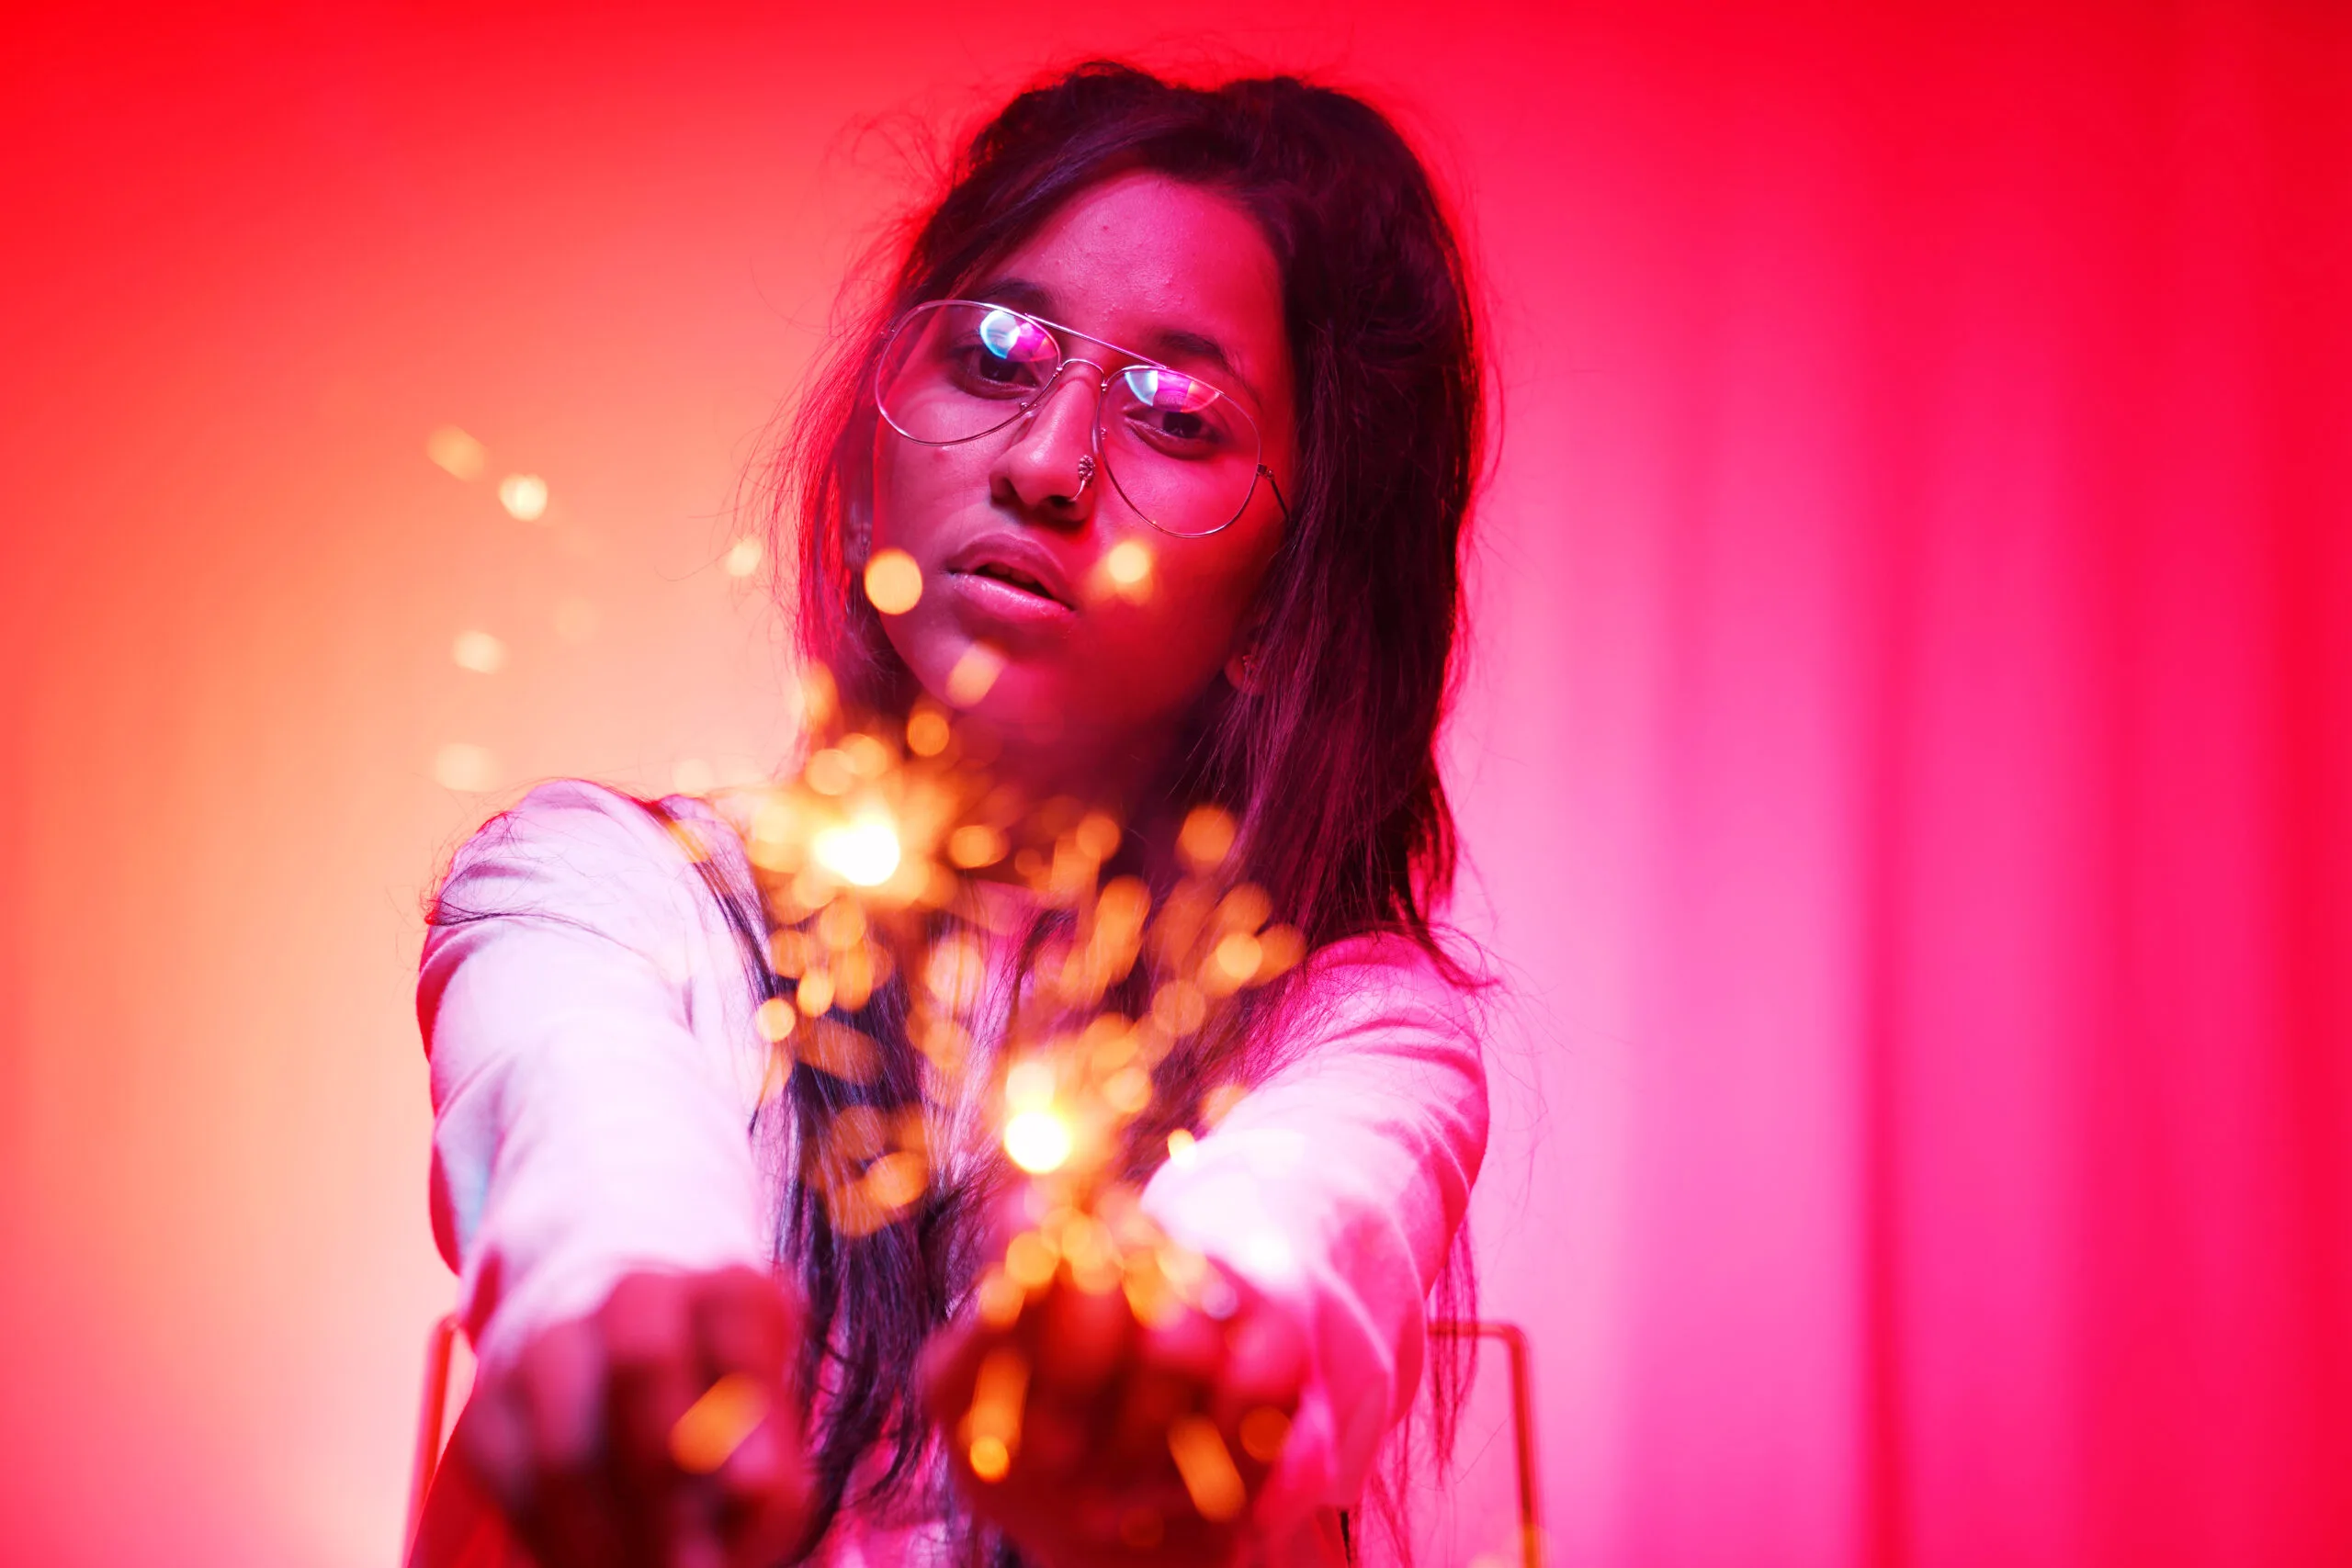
[593, 1075]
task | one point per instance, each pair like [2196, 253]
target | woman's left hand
[1106, 1407]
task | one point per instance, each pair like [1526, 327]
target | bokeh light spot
[864, 853]
[1037, 1141]
[1128, 564]
[453, 450]
[525, 496]
[479, 652]
[575, 620]
[974, 675]
[461, 765]
[893, 581]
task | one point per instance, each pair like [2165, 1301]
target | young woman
[1217, 339]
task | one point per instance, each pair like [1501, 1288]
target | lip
[1018, 554]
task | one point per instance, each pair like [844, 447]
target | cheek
[1200, 596]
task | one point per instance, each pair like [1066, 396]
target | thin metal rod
[440, 1347]
[1522, 1422]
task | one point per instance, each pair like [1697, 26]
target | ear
[1245, 669]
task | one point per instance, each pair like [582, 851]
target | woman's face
[1024, 555]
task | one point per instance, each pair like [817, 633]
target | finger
[1187, 1344]
[1265, 1363]
[745, 1321]
[568, 1519]
[655, 1370]
[766, 1496]
[1084, 1339]
[948, 1367]
[491, 1443]
[559, 1386]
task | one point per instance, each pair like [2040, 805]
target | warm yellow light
[814, 995]
[715, 1426]
[1029, 1085]
[974, 675]
[990, 1459]
[897, 1178]
[1206, 1467]
[893, 581]
[775, 1019]
[973, 845]
[1181, 1144]
[863, 853]
[479, 652]
[1128, 1091]
[829, 772]
[457, 452]
[525, 496]
[1206, 838]
[1038, 1141]
[927, 732]
[743, 558]
[999, 1298]
[1128, 564]
[1030, 1260]
[462, 766]
[1238, 954]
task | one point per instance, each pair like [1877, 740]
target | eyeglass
[1186, 457]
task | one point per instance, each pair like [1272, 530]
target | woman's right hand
[577, 1440]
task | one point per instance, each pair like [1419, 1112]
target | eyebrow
[1167, 343]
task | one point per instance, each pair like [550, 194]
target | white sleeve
[587, 1016]
[1336, 1187]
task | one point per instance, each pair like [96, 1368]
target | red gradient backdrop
[1906, 759]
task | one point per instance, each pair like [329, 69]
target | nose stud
[1085, 474]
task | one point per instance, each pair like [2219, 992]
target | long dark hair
[1328, 763]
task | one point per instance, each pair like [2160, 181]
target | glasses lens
[956, 370]
[1183, 453]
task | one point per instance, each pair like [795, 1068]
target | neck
[1117, 776]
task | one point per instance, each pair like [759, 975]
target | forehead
[1141, 257]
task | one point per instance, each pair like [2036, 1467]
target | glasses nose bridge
[1093, 389]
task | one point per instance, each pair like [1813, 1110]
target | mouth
[1012, 576]
[1018, 565]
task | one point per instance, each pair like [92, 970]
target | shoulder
[1382, 1005]
[1388, 976]
[586, 853]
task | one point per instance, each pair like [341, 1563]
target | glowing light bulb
[1038, 1141]
[863, 853]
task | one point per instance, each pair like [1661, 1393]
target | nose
[1047, 468]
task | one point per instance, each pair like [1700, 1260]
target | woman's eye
[1178, 426]
[982, 367]
[1175, 412]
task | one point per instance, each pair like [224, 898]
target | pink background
[1907, 756]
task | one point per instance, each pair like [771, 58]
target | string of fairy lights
[878, 857]
[871, 858]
